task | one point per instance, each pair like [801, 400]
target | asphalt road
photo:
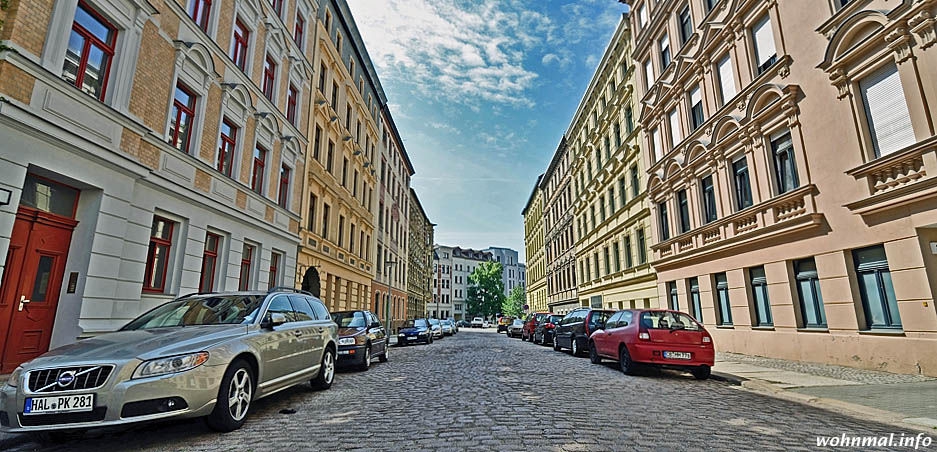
[480, 390]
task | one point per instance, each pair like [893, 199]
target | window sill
[813, 330]
[882, 332]
[764, 328]
[725, 327]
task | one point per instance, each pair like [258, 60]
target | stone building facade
[420, 255]
[558, 234]
[534, 247]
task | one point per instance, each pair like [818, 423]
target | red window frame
[291, 100]
[239, 44]
[299, 30]
[209, 252]
[257, 170]
[225, 162]
[274, 270]
[155, 243]
[179, 110]
[90, 40]
[277, 6]
[200, 12]
[283, 192]
[247, 262]
[270, 72]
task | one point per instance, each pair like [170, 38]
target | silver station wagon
[200, 355]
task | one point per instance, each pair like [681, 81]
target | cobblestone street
[480, 390]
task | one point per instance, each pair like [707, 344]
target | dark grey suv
[573, 331]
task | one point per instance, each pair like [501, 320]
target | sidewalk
[904, 400]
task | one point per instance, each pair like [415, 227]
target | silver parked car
[206, 355]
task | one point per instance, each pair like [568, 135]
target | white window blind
[726, 79]
[676, 135]
[764, 41]
[649, 73]
[886, 111]
[665, 50]
[695, 97]
[658, 146]
[642, 16]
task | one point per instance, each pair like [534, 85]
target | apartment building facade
[442, 283]
[338, 234]
[534, 247]
[791, 167]
[514, 272]
[420, 255]
[611, 214]
[464, 262]
[558, 234]
[151, 149]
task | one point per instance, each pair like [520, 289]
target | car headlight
[170, 364]
[401, 335]
[346, 341]
[15, 377]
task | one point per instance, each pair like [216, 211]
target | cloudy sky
[482, 91]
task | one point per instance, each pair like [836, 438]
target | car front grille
[68, 378]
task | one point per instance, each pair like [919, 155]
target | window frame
[292, 99]
[888, 303]
[269, 78]
[150, 265]
[781, 167]
[201, 18]
[240, 45]
[695, 300]
[247, 266]
[743, 198]
[723, 302]
[761, 305]
[663, 219]
[273, 273]
[209, 253]
[176, 114]
[107, 48]
[283, 189]
[258, 166]
[227, 149]
[683, 204]
[811, 277]
[709, 203]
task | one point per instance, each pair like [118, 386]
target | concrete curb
[728, 378]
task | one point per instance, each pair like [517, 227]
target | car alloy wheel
[326, 371]
[234, 398]
[556, 345]
[383, 357]
[593, 354]
[573, 348]
[367, 357]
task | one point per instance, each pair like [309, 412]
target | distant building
[420, 247]
[453, 267]
[515, 273]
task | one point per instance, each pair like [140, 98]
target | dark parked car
[463, 324]
[361, 337]
[414, 331]
[657, 337]
[573, 331]
[516, 328]
[543, 332]
[531, 323]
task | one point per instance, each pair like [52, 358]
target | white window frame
[676, 134]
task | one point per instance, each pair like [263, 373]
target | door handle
[297, 333]
[321, 329]
[23, 302]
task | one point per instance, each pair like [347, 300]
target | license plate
[343, 352]
[412, 338]
[59, 404]
[677, 355]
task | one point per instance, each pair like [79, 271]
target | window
[785, 171]
[886, 111]
[313, 200]
[743, 187]
[270, 73]
[335, 96]
[291, 98]
[616, 131]
[157, 258]
[760, 296]
[657, 144]
[628, 262]
[229, 133]
[323, 74]
[674, 297]
[283, 193]
[648, 74]
[709, 199]
[611, 200]
[209, 262]
[351, 239]
[710, 4]
[182, 118]
[726, 79]
[684, 204]
[200, 11]
[239, 45]
[616, 252]
[325, 221]
[90, 50]
[345, 172]
[273, 279]
[608, 262]
[876, 288]
[354, 184]
[696, 109]
[723, 307]
[299, 30]
[257, 170]
[808, 292]
[642, 247]
[341, 230]
[602, 208]
[247, 264]
[664, 222]
[277, 6]
[695, 299]
[686, 25]
[635, 185]
[765, 53]
[664, 52]
[622, 193]
[676, 135]
[642, 16]
[629, 120]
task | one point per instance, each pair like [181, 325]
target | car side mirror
[600, 325]
[273, 320]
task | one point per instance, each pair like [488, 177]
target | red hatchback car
[656, 337]
[530, 323]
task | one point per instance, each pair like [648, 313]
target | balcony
[789, 213]
[899, 179]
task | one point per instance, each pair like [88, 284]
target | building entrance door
[33, 274]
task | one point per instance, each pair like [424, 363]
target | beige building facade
[420, 255]
[534, 246]
[791, 171]
[611, 215]
[558, 236]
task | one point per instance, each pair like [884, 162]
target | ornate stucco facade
[535, 251]
[420, 254]
[558, 235]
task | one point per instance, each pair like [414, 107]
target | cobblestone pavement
[481, 391]
[826, 370]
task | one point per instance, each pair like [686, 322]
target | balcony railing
[790, 210]
[906, 176]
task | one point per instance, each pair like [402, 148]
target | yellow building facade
[534, 247]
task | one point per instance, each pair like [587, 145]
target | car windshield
[353, 319]
[201, 310]
[667, 320]
[434, 322]
[518, 322]
[555, 318]
[414, 323]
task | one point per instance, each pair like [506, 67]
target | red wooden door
[32, 279]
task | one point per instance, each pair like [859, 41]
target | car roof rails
[289, 289]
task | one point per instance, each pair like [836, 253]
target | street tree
[485, 293]
[514, 303]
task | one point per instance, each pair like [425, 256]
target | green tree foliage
[485, 293]
[514, 304]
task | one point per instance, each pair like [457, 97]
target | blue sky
[482, 91]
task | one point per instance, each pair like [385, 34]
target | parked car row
[415, 331]
[634, 338]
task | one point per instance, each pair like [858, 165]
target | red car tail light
[707, 339]
[549, 325]
[643, 335]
